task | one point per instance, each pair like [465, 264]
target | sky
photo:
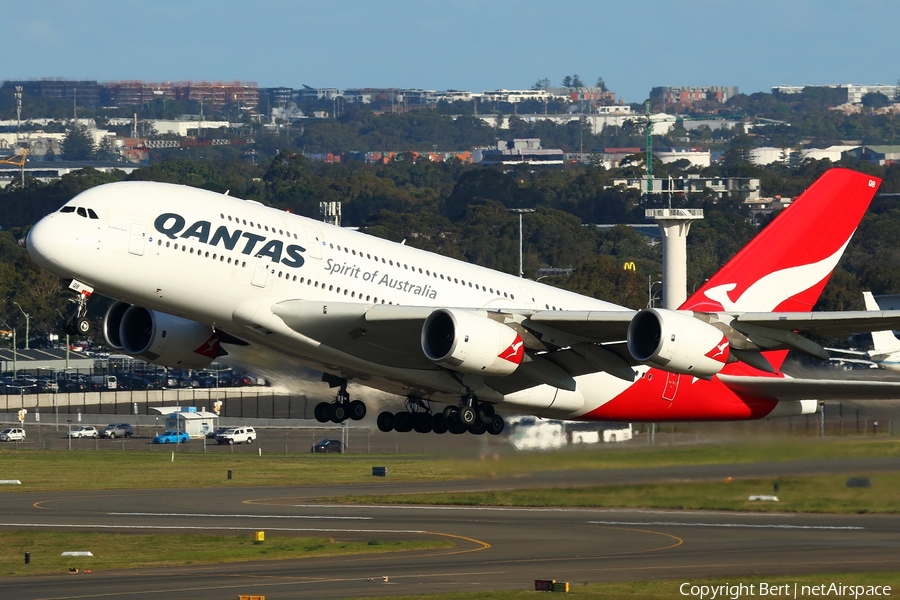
[633, 45]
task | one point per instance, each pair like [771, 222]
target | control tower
[674, 224]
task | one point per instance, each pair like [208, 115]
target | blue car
[171, 437]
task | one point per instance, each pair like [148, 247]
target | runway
[494, 548]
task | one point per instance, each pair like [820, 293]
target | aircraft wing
[788, 388]
[385, 334]
[823, 324]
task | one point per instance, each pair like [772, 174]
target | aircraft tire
[477, 427]
[338, 413]
[467, 415]
[457, 428]
[451, 414]
[496, 425]
[486, 413]
[82, 325]
[69, 326]
[323, 412]
[385, 421]
[357, 410]
[403, 422]
[422, 422]
[438, 424]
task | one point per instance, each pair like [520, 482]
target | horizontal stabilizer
[788, 388]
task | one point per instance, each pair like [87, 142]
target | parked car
[84, 431]
[114, 430]
[172, 437]
[237, 435]
[327, 446]
[214, 434]
[12, 434]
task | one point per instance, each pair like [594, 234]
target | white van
[104, 382]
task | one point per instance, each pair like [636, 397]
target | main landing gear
[79, 324]
[341, 408]
[470, 416]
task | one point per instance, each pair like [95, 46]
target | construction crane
[17, 160]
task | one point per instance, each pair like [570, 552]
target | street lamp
[651, 296]
[520, 212]
[27, 325]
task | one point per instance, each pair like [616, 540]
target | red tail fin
[785, 267]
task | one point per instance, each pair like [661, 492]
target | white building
[183, 128]
[697, 158]
[769, 155]
[832, 153]
[855, 92]
[742, 187]
[596, 123]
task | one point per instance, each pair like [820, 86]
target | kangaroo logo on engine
[172, 225]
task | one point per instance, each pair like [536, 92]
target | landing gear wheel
[82, 325]
[338, 413]
[467, 415]
[439, 424]
[477, 427]
[403, 422]
[385, 421]
[456, 428]
[422, 422]
[451, 414]
[323, 412]
[69, 326]
[486, 413]
[496, 425]
[357, 410]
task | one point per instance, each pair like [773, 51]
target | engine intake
[677, 342]
[470, 343]
[160, 338]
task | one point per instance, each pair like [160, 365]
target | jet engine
[677, 342]
[160, 338]
[468, 342]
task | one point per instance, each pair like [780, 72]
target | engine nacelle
[111, 323]
[468, 342]
[677, 342]
[162, 338]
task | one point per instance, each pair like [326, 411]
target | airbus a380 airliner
[196, 273]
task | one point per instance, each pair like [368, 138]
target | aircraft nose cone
[43, 241]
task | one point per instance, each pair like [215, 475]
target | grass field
[128, 551]
[823, 494]
[663, 590]
[58, 470]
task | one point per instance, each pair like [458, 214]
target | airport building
[744, 188]
[855, 92]
[693, 94]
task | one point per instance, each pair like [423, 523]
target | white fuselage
[219, 260]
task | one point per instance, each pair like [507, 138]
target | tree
[602, 85]
[576, 81]
[875, 100]
[567, 81]
[78, 144]
[541, 84]
[106, 151]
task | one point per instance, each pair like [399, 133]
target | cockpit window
[92, 214]
[67, 209]
[82, 212]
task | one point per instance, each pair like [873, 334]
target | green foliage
[78, 144]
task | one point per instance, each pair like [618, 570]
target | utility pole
[649, 135]
[520, 212]
[27, 325]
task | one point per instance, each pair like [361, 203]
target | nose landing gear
[79, 324]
